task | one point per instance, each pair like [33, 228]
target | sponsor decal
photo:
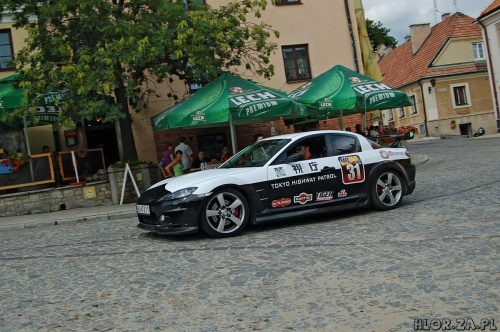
[281, 202]
[381, 96]
[236, 89]
[342, 193]
[396, 153]
[371, 87]
[252, 97]
[384, 154]
[324, 196]
[280, 171]
[325, 103]
[303, 198]
[353, 170]
[318, 178]
[198, 116]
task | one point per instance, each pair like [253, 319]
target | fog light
[162, 217]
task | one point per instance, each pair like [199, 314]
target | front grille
[152, 195]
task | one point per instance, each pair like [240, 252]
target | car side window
[344, 144]
[296, 152]
[316, 145]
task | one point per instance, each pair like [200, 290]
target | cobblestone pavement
[437, 256]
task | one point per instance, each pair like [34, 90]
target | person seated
[175, 168]
[196, 165]
[305, 152]
[226, 154]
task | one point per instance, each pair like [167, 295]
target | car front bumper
[179, 216]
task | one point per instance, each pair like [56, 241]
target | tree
[379, 35]
[96, 49]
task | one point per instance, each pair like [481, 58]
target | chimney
[418, 34]
[445, 16]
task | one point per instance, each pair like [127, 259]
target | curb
[424, 158]
[69, 221]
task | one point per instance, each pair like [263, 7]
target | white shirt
[186, 152]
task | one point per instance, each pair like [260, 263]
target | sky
[398, 15]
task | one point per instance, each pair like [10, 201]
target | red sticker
[281, 202]
[353, 170]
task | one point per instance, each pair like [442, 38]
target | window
[402, 113]
[194, 2]
[391, 114]
[414, 106]
[296, 60]
[6, 51]
[460, 95]
[478, 51]
[344, 144]
[288, 2]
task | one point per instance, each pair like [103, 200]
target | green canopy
[11, 97]
[343, 89]
[229, 98]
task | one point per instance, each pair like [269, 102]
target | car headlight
[179, 193]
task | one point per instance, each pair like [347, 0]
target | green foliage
[102, 50]
[379, 35]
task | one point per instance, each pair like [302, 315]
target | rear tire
[225, 213]
[387, 190]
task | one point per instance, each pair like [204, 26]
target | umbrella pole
[28, 149]
[341, 121]
[233, 134]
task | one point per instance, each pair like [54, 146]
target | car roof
[295, 136]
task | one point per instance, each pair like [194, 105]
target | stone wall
[98, 193]
[55, 199]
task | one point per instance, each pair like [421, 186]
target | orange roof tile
[401, 66]
[490, 9]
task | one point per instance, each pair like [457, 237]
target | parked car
[271, 180]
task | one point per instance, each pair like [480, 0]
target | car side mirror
[293, 157]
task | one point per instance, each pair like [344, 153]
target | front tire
[225, 213]
[387, 191]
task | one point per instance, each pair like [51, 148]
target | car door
[296, 184]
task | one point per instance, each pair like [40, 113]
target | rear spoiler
[395, 140]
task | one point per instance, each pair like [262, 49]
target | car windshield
[257, 154]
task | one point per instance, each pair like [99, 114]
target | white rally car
[271, 180]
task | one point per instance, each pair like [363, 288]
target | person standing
[392, 128]
[359, 130]
[187, 154]
[175, 167]
[168, 155]
[373, 132]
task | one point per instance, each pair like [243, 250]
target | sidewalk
[72, 216]
[98, 213]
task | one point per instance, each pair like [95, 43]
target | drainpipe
[492, 74]
[425, 109]
[349, 23]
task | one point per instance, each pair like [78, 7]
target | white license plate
[143, 209]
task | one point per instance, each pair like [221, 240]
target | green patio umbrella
[11, 97]
[341, 91]
[229, 100]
